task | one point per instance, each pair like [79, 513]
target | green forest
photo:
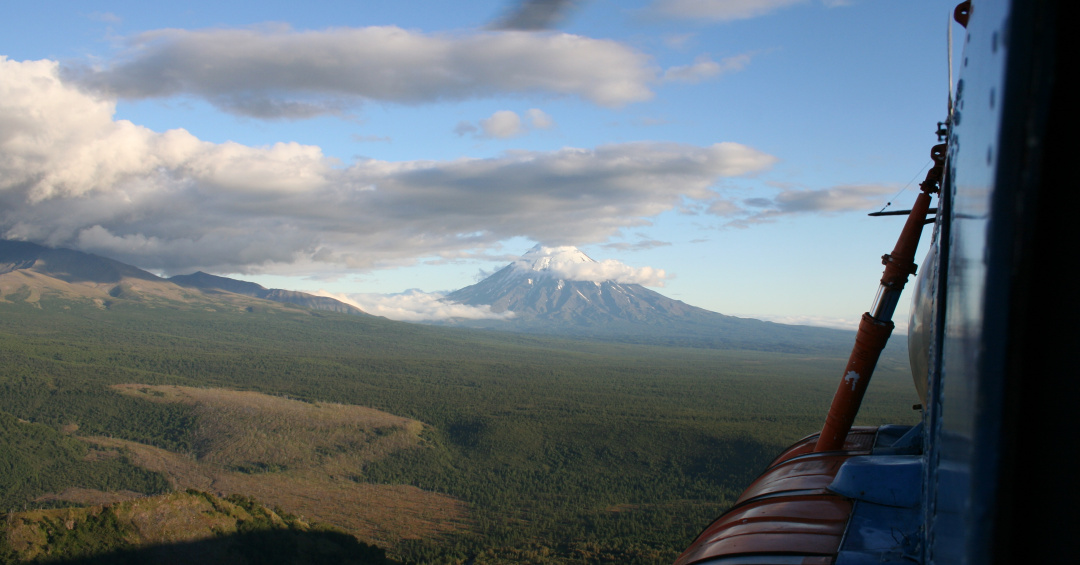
[563, 451]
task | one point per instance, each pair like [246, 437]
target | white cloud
[608, 270]
[58, 141]
[506, 124]
[705, 68]
[71, 175]
[502, 124]
[416, 306]
[720, 10]
[540, 119]
[270, 72]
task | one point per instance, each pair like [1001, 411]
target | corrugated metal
[787, 515]
[859, 439]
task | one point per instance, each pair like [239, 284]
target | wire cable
[889, 203]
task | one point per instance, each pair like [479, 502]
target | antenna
[948, 24]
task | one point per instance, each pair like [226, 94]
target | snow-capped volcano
[563, 283]
[561, 290]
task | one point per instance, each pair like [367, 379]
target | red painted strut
[877, 325]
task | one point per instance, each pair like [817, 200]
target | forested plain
[564, 451]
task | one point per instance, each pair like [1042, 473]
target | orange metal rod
[869, 342]
[876, 326]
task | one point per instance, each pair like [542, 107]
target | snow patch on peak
[568, 263]
[543, 258]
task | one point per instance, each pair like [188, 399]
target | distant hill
[537, 289]
[208, 282]
[27, 270]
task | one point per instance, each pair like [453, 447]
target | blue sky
[363, 148]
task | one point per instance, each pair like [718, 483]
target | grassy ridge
[565, 451]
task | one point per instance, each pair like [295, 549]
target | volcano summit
[565, 286]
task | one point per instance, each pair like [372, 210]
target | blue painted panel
[887, 480]
[881, 534]
[965, 371]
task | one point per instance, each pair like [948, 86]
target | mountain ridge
[207, 282]
[37, 268]
[537, 288]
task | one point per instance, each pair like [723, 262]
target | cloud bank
[72, 175]
[276, 72]
[825, 322]
[849, 198]
[609, 270]
[416, 306]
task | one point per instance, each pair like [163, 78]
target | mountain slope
[208, 282]
[28, 270]
[67, 265]
[538, 290]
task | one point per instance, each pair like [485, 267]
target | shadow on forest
[251, 548]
